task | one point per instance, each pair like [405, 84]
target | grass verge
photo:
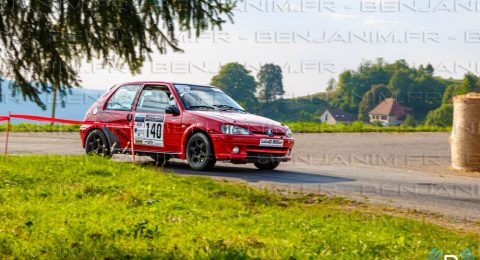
[358, 127]
[29, 127]
[297, 127]
[86, 207]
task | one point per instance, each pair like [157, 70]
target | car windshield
[206, 98]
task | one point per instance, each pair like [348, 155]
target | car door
[118, 111]
[155, 130]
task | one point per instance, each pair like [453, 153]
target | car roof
[162, 82]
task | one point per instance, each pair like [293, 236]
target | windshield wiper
[227, 107]
[199, 106]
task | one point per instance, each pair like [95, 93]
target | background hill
[357, 92]
[306, 108]
[76, 104]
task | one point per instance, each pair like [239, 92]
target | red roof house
[389, 112]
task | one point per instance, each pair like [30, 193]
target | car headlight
[234, 130]
[288, 133]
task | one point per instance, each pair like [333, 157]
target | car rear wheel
[199, 152]
[266, 165]
[97, 144]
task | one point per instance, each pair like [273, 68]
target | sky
[315, 40]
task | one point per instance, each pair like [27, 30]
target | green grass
[297, 127]
[312, 127]
[29, 127]
[85, 207]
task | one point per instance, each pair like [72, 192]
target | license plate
[271, 142]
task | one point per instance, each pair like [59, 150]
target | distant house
[333, 116]
[389, 112]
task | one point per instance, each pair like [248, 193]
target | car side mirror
[173, 110]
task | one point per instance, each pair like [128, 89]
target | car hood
[236, 118]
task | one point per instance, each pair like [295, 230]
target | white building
[333, 116]
[389, 112]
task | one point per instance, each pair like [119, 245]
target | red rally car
[198, 123]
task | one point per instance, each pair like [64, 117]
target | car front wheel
[266, 165]
[199, 152]
[97, 144]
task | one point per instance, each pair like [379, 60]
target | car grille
[279, 149]
[263, 133]
[254, 155]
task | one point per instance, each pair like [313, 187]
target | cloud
[340, 16]
[373, 21]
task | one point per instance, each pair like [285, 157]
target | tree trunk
[54, 105]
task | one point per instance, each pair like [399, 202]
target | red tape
[62, 121]
[67, 121]
[46, 119]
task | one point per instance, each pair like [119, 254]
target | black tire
[266, 165]
[97, 144]
[199, 151]
[160, 159]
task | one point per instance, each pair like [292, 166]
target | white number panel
[148, 129]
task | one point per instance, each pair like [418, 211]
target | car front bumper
[249, 148]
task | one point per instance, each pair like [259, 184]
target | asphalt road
[401, 170]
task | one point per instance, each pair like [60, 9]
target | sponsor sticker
[182, 90]
[271, 142]
[149, 129]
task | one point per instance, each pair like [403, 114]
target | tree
[426, 93]
[416, 88]
[42, 41]
[270, 82]
[331, 85]
[352, 85]
[235, 80]
[429, 69]
[409, 121]
[449, 93]
[442, 116]
[469, 84]
[401, 84]
[371, 99]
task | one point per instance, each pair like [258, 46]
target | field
[29, 127]
[297, 127]
[85, 207]
[357, 127]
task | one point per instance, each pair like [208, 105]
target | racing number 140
[155, 131]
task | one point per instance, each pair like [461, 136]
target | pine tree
[43, 41]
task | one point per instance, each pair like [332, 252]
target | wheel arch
[189, 134]
[89, 131]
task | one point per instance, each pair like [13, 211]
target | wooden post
[8, 134]
[54, 105]
[132, 139]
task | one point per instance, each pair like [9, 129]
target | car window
[201, 97]
[123, 98]
[155, 99]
